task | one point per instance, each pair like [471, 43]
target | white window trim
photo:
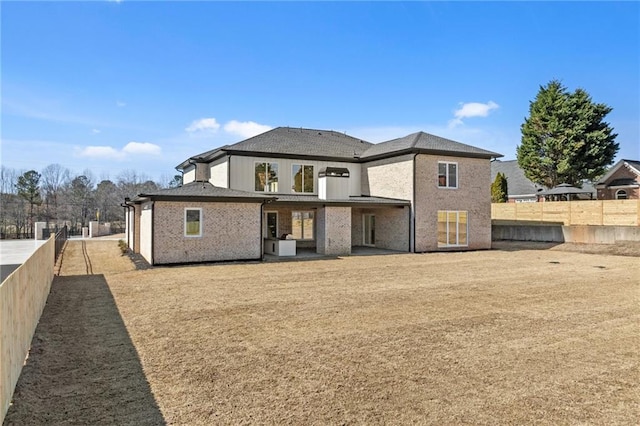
[447, 186]
[366, 216]
[266, 223]
[626, 194]
[266, 181]
[457, 224]
[200, 221]
[293, 175]
[313, 228]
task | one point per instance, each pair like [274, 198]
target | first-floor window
[302, 224]
[452, 228]
[192, 222]
[621, 194]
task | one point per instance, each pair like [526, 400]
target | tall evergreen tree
[499, 189]
[565, 138]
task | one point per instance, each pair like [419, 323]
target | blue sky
[114, 86]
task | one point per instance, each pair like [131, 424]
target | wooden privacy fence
[593, 212]
[22, 298]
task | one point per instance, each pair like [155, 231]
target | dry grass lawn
[507, 336]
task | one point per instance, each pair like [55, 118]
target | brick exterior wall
[230, 231]
[333, 230]
[136, 228]
[472, 195]
[392, 227]
[390, 178]
[610, 193]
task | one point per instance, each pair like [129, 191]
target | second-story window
[447, 174]
[266, 177]
[302, 178]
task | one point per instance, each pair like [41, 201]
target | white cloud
[472, 109]
[111, 153]
[95, 131]
[121, 104]
[208, 125]
[246, 129]
[100, 152]
[142, 148]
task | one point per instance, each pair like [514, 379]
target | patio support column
[333, 229]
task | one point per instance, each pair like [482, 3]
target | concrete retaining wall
[586, 234]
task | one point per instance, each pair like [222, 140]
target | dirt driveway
[503, 336]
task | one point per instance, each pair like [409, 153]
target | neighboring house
[519, 188]
[326, 190]
[621, 182]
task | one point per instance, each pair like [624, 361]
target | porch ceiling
[359, 201]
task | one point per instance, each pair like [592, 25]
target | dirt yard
[508, 336]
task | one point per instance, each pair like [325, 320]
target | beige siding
[231, 231]
[146, 220]
[189, 174]
[219, 172]
[242, 172]
[472, 195]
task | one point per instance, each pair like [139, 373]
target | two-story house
[320, 189]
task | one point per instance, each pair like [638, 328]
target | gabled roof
[425, 143]
[517, 183]
[330, 145]
[303, 142]
[632, 165]
[204, 191]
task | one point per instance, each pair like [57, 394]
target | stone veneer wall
[392, 227]
[231, 231]
[472, 195]
[333, 229]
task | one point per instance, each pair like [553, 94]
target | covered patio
[335, 227]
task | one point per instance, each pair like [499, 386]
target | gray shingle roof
[428, 143]
[202, 190]
[517, 183]
[303, 142]
[299, 142]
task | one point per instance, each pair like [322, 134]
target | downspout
[262, 230]
[153, 218]
[412, 220]
[229, 174]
